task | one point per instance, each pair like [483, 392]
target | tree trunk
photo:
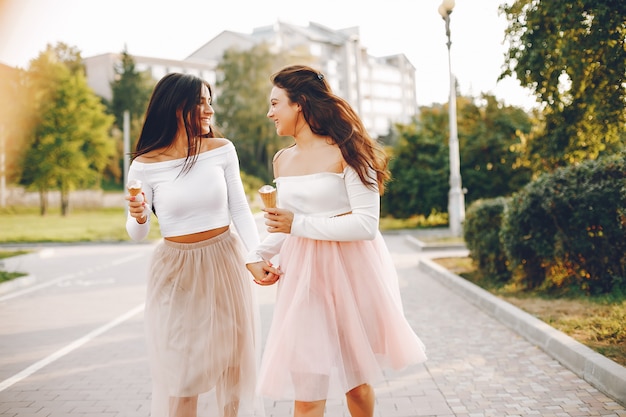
[65, 202]
[43, 202]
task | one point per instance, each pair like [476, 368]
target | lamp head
[446, 8]
[448, 4]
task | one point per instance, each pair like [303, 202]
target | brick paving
[477, 367]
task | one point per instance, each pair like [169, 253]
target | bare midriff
[197, 237]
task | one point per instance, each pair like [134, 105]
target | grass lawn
[7, 276]
[598, 323]
[27, 226]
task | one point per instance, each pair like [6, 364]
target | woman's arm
[238, 203]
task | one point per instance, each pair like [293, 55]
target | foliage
[572, 54]
[588, 207]
[242, 99]
[131, 91]
[15, 119]
[8, 276]
[418, 168]
[69, 142]
[251, 185]
[568, 228]
[243, 87]
[527, 233]
[481, 232]
[489, 141]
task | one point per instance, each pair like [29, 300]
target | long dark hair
[329, 115]
[174, 92]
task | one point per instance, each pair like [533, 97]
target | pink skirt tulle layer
[338, 320]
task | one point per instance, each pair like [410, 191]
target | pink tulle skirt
[202, 330]
[338, 321]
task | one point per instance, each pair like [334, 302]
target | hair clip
[320, 76]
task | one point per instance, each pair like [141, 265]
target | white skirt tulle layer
[338, 320]
[202, 330]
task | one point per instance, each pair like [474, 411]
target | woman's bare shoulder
[282, 151]
[214, 143]
[279, 158]
[156, 155]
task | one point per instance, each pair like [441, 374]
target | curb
[423, 246]
[17, 283]
[604, 374]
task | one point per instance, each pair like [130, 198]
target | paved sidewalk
[477, 366]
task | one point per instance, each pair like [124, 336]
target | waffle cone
[268, 195]
[134, 191]
[134, 187]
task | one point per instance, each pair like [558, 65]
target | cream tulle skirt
[338, 321]
[202, 329]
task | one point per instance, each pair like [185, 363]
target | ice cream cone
[268, 195]
[134, 187]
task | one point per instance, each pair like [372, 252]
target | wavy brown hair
[174, 92]
[330, 115]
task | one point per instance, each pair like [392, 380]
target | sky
[174, 29]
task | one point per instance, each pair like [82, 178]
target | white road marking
[68, 277]
[69, 348]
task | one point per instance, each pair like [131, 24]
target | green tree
[15, 119]
[490, 135]
[70, 144]
[419, 167]
[572, 55]
[241, 104]
[131, 91]
[490, 138]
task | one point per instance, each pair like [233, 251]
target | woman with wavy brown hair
[338, 318]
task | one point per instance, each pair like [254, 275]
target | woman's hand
[278, 220]
[264, 273]
[136, 207]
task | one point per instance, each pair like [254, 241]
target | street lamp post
[456, 198]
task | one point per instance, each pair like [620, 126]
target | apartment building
[381, 89]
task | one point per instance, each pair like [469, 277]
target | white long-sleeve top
[320, 203]
[209, 196]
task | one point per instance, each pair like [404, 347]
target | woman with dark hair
[200, 316]
[338, 319]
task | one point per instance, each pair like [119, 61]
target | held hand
[278, 220]
[136, 207]
[264, 273]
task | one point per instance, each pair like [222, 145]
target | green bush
[481, 232]
[588, 207]
[527, 233]
[567, 229]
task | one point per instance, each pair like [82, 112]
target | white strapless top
[319, 202]
[321, 195]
